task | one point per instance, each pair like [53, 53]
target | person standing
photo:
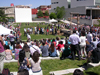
[2, 54]
[74, 39]
[89, 37]
[12, 40]
[35, 30]
[25, 34]
[55, 31]
[28, 37]
[83, 44]
[52, 30]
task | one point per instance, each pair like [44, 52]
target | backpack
[6, 71]
[96, 55]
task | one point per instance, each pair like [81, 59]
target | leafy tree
[60, 12]
[46, 13]
[3, 17]
[53, 15]
[40, 14]
[11, 19]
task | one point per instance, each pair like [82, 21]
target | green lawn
[54, 65]
[40, 36]
[50, 65]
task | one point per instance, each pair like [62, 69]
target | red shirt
[54, 44]
[60, 46]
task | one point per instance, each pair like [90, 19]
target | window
[55, 2]
[81, 0]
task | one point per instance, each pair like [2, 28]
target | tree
[46, 13]
[11, 19]
[40, 14]
[53, 15]
[60, 12]
[3, 17]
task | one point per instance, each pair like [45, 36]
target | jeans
[83, 50]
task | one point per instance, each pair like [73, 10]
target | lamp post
[71, 20]
[77, 20]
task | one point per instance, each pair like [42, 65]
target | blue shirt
[53, 54]
[44, 50]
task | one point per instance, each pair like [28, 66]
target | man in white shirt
[74, 39]
[34, 48]
[89, 37]
[25, 32]
[28, 37]
[35, 29]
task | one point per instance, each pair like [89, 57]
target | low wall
[95, 21]
[83, 21]
[40, 19]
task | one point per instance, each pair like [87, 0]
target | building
[60, 3]
[22, 6]
[87, 10]
[34, 13]
[78, 3]
[44, 8]
[11, 11]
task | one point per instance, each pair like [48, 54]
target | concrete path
[42, 58]
[67, 71]
[61, 72]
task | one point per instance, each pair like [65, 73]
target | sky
[31, 3]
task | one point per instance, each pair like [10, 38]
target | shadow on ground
[91, 73]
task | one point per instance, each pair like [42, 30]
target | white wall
[60, 3]
[23, 15]
[75, 3]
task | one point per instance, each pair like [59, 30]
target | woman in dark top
[26, 48]
[23, 62]
[66, 52]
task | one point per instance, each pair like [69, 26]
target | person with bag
[2, 54]
[6, 71]
[94, 55]
[23, 62]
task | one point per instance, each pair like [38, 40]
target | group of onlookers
[84, 42]
[47, 30]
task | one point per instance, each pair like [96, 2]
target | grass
[50, 65]
[57, 64]
[33, 36]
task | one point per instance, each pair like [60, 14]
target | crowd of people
[84, 42]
